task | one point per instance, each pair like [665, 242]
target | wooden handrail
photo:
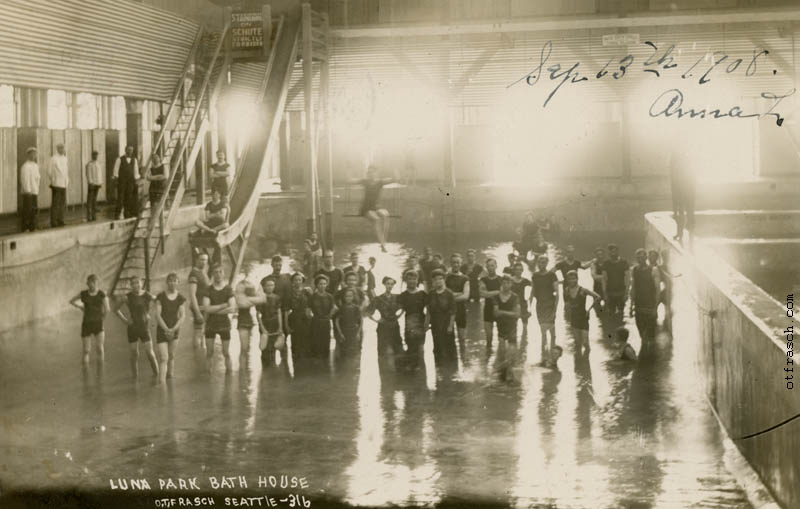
[159, 141]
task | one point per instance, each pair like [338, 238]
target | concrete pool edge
[739, 355]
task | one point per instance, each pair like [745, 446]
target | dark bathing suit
[372, 196]
[321, 306]
[139, 308]
[413, 304]
[455, 283]
[218, 324]
[441, 306]
[92, 313]
[389, 330]
[492, 285]
[269, 313]
[578, 316]
[169, 314]
[542, 284]
[506, 325]
[245, 316]
[198, 277]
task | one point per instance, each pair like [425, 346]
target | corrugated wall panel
[8, 170]
[99, 46]
[246, 80]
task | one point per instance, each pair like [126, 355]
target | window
[7, 109]
[85, 111]
[57, 109]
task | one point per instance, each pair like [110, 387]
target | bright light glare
[240, 118]
[381, 117]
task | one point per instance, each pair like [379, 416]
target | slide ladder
[252, 168]
[179, 143]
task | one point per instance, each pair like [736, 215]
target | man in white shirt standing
[29, 184]
[94, 176]
[126, 174]
[58, 173]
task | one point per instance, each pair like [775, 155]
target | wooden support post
[311, 173]
[200, 171]
[266, 17]
[146, 243]
[326, 111]
[626, 142]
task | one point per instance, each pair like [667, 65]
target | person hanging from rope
[371, 207]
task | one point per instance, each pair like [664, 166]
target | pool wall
[41, 271]
[741, 345]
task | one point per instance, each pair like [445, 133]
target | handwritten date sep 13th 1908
[658, 62]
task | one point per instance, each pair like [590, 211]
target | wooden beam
[474, 69]
[308, 76]
[572, 23]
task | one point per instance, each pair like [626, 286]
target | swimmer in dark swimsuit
[138, 321]
[170, 313]
[95, 307]
[371, 207]
[245, 293]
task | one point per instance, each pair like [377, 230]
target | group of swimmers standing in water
[336, 301]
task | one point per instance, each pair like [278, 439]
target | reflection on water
[595, 433]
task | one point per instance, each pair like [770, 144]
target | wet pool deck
[591, 434]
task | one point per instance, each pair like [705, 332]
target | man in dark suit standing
[126, 174]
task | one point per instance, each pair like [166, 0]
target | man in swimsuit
[490, 287]
[198, 282]
[545, 290]
[246, 299]
[458, 283]
[616, 281]
[358, 269]
[218, 302]
[283, 282]
[371, 208]
[169, 315]
[597, 275]
[220, 172]
[441, 305]
[645, 290]
[138, 303]
[329, 270]
[567, 264]
[473, 271]
[413, 301]
[95, 307]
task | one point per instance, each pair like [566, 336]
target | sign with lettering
[247, 30]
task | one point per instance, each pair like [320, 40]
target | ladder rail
[175, 96]
[156, 212]
[182, 146]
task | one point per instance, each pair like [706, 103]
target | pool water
[593, 433]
